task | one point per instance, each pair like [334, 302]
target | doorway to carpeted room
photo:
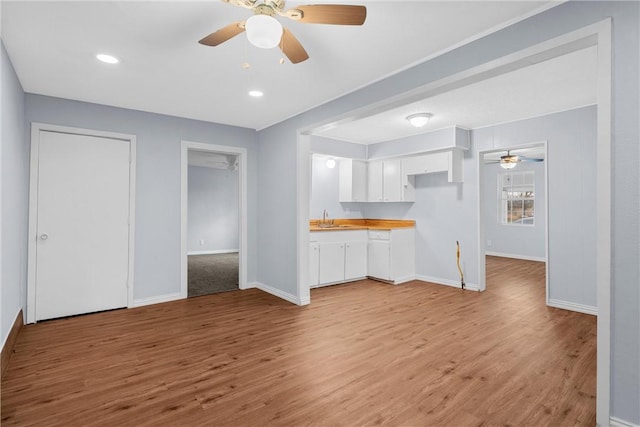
[212, 223]
[213, 273]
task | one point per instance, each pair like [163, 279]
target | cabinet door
[392, 181]
[379, 259]
[359, 181]
[355, 260]
[314, 265]
[374, 182]
[428, 163]
[331, 263]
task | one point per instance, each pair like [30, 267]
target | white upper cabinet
[375, 182]
[392, 180]
[385, 182]
[447, 161]
[427, 163]
[353, 181]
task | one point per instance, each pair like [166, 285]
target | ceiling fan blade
[292, 48]
[530, 159]
[336, 14]
[223, 34]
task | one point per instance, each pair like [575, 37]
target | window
[516, 198]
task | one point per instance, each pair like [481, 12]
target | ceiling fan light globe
[263, 31]
[507, 165]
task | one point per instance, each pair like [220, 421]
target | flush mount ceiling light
[107, 59]
[263, 31]
[255, 93]
[420, 119]
[331, 163]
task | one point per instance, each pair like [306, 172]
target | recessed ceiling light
[255, 93]
[107, 58]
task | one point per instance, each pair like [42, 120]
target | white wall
[14, 178]
[213, 212]
[324, 192]
[158, 144]
[527, 241]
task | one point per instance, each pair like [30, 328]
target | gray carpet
[210, 274]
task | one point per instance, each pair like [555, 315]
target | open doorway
[514, 219]
[212, 223]
[213, 219]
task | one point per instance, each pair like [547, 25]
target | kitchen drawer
[379, 234]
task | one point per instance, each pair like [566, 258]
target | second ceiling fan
[509, 161]
[264, 31]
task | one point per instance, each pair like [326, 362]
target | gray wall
[435, 140]
[278, 146]
[213, 212]
[157, 239]
[337, 148]
[572, 196]
[325, 192]
[14, 210]
[519, 240]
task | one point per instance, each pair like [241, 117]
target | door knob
[44, 236]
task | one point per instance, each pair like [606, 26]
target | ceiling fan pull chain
[246, 64]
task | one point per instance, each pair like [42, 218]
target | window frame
[504, 199]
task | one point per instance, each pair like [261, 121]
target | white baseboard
[305, 301]
[447, 282]
[156, 300]
[216, 252]
[278, 293]
[617, 422]
[404, 279]
[572, 306]
[514, 256]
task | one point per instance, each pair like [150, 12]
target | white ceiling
[558, 84]
[163, 69]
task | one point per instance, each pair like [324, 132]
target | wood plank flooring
[365, 353]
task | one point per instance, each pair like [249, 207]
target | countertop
[341, 224]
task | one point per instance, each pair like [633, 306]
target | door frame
[242, 208]
[36, 129]
[482, 274]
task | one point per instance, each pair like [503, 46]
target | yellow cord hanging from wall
[458, 261]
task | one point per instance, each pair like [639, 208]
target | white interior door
[82, 224]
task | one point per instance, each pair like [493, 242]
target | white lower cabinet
[314, 264]
[379, 259]
[337, 256]
[342, 256]
[392, 255]
[331, 262]
[355, 260]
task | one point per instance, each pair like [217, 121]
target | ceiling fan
[264, 31]
[509, 161]
[231, 163]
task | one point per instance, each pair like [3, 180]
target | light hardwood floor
[365, 353]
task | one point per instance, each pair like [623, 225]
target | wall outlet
[489, 242]
[201, 242]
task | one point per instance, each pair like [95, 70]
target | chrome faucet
[325, 215]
